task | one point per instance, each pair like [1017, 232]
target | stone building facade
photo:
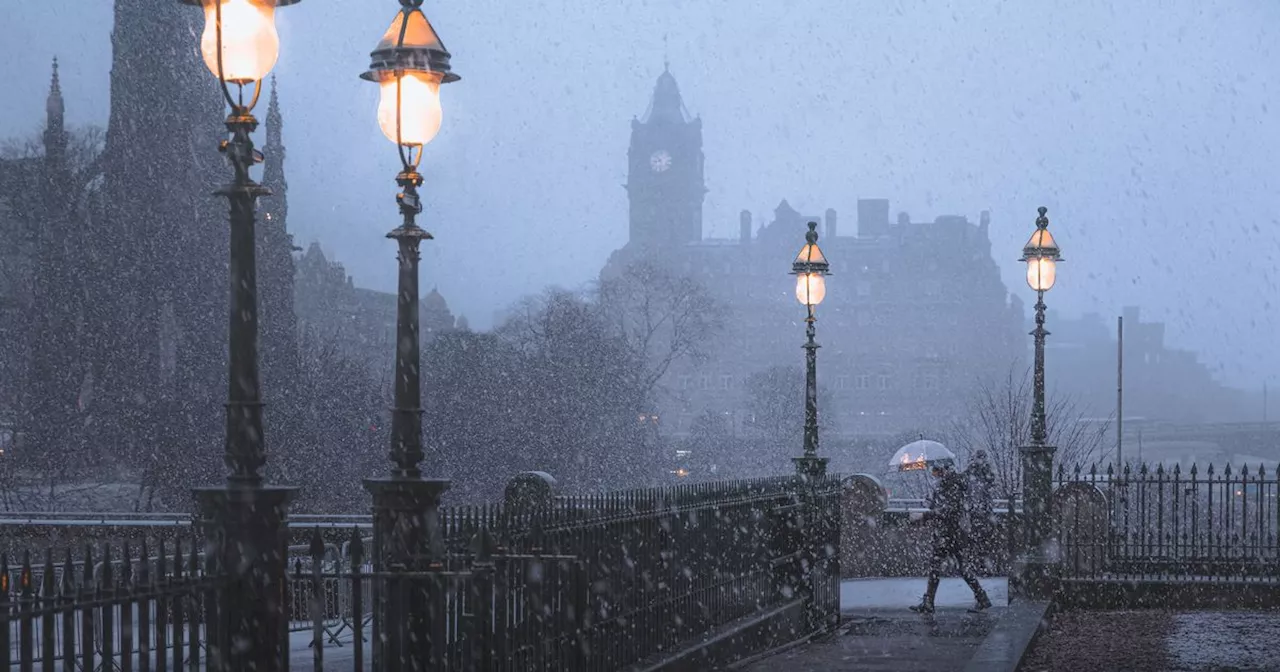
[916, 312]
[1161, 383]
[359, 322]
[53, 291]
[113, 265]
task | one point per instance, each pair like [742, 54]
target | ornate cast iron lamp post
[245, 520]
[1041, 254]
[409, 64]
[810, 269]
[820, 534]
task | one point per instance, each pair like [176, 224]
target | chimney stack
[831, 222]
[873, 217]
[744, 226]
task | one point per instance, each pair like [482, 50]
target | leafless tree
[663, 318]
[999, 421]
[84, 148]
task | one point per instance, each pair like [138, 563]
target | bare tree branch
[661, 316]
[999, 421]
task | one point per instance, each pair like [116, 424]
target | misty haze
[921, 335]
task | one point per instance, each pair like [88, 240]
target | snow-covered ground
[901, 593]
[336, 657]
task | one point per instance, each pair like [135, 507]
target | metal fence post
[356, 551]
[4, 605]
[26, 605]
[48, 604]
[482, 586]
[316, 601]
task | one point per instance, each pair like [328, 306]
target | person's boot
[979, 595]
[926, 602]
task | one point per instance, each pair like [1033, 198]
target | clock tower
[664, 181]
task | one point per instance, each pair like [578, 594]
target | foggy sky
[1149, 129]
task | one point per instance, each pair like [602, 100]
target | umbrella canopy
[921, 455]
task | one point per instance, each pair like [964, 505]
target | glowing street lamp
[240, 45]
[248, 38]
[811, 268]
[409, 64]
[1041, 254]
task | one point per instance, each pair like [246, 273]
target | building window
[705, 382]
[930, 382]
[882, 381]
[842, 382]
[684, 382]
[726, 382]
[864, 381]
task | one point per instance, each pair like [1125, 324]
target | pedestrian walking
[947, 516]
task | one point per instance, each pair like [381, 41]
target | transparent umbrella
[921, 455]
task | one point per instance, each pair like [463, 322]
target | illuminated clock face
[660, 161]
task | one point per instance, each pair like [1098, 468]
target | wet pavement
[879, 633]
[1158, 641]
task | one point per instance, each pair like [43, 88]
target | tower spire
[278, 325]
[55, 137]
[273, 117]
[666, 104]
[55, 86]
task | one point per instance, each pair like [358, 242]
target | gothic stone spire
[55, 135]
[276, 268]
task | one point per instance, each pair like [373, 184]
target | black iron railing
[138, 612]
[1168, 522]
[586, 583]
[583, 583]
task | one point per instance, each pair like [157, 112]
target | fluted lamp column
[245, 520]
[409, 64]
[1038, 569]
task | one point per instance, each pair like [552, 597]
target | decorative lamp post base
[1034, 578]
[406, 518]
[1037, 569]
[247, 542]
[810, 467]
[407, 538]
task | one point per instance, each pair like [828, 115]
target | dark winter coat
[947, 507]
[982, 485]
